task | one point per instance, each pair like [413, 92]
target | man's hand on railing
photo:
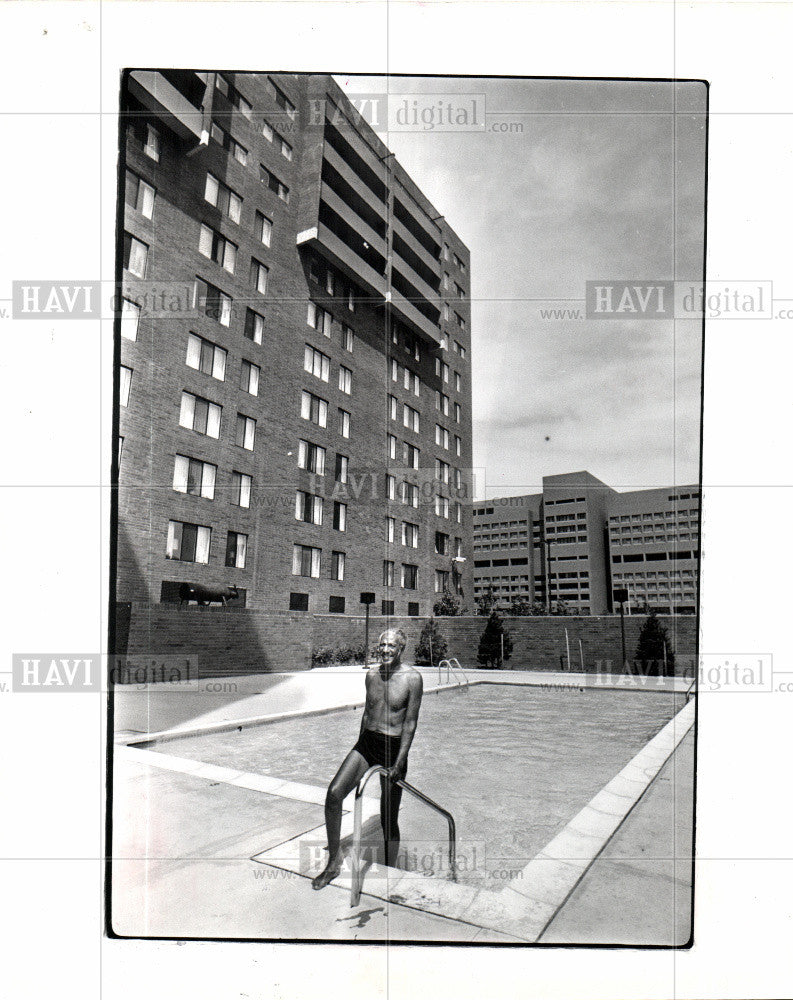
[397, 772]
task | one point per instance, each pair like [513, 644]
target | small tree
[432, 646]
[490, 646]
[560, 608]
[519, 607]
[653, 643]
[448, 605]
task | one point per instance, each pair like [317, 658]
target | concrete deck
[204, 851]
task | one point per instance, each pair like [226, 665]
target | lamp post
[548, 570]
[367, 598]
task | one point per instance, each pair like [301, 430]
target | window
[188, 542]
[206, 357]
[412, 383]
[441, 543]
[249, 377]
[319, 319]
[410, 455]
[236, 549]
[311, 457]
[241, 489]
[410, 534]
[445, 281]
[272, 183]
[130, 316]
[441, 436]
[308, 507]
[344, 423]
[345, 379]
[442, 470]
[298, 602]
[458, 512]
[194, 477]
[386, 608]
[336, 605]
[136, 254]
[347, 338]
[394, 370]
[410, 576]
[151, 145]
[392, 446]
[390, 528]
[351, 298]
[441, 581]
[442, 506]
[263, 228]
[339, 515]
[442, 403]
[235, 98]
[215, 246]
[286, 149]
[259, 276]
[139, 195]
[246, 432]
[458, 382]
[459, 291]
[460, 350]
[224, 139]
[200, 415]
[458, 550]
[458, 445]
[410, 494]
[446, 311]
[125, 380]
[281, 99]
[254, 326]
[458, 482]
[390, 487]
[267, 131]
[223, 198]
[316, 363]
[459, 263]
[210, 301]
[411, 418]
[388, 573]
[342, 468]
[314, 409]
[445, 251]
[458, 413]
[305, 561]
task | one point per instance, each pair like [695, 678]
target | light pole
[367, 598]
[621, 596]
[548, 570]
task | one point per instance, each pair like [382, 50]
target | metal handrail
[357, 876]
[690, 688]
[449, 668]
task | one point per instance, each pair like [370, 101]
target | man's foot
[325, 877]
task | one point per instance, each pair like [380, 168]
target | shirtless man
[393, 697]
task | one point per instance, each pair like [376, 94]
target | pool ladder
[452, 667]
[357, 869]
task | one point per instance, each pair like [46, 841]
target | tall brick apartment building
[295, 381]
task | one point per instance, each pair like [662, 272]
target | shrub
[431, 647]
[653, 641]
[490, 645]
[322, 657]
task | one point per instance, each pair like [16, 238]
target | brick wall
[245, 640]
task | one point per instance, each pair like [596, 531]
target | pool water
[513, 764]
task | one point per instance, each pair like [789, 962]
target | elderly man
[393, 697]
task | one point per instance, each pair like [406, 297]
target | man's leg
[347, 777]
[390, 799]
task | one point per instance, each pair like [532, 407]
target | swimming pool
[513, 764]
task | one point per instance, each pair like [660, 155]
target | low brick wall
[243, 640]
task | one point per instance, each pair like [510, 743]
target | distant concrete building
[579, 539]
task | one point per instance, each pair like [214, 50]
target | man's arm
[408, 727]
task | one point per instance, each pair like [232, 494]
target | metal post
[366, 640]
[548, 570]
[502, 649]
[622, 625]
[567, 643]
[581, 651]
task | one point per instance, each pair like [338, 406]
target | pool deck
[204, 851]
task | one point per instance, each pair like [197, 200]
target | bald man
[393, 697]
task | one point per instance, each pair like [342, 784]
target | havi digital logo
[51, 672]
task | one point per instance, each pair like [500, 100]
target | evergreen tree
[490, 644]
[653, 640]
[448, 605]
[432, 646]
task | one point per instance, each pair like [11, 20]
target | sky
[581, 180]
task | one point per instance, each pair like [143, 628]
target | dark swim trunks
[378, 748]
